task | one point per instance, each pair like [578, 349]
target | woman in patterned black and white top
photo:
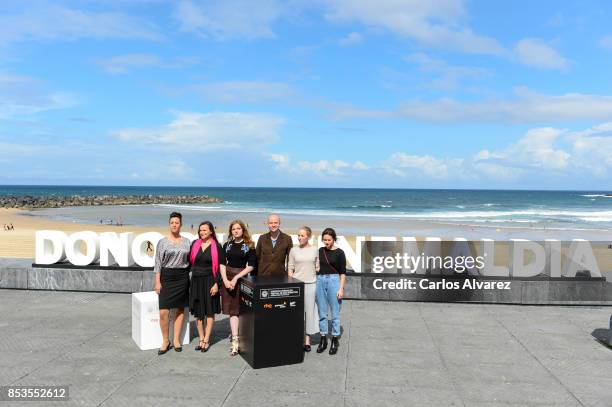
[172, 281]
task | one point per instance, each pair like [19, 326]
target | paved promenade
[391, 354]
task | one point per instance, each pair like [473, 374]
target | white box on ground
[145, 322]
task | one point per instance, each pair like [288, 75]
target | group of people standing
[216, 270]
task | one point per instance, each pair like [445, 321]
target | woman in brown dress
[240, 260]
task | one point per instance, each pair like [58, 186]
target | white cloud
[178, 168]
[11, 78]
[426, 63]
[536, 153]
[600, 129]
[398, 164]
[440, 24]
[321, 168]
[448, 76]
[433, 23]
[358, 165]
[536, 53]
[526, 107]
[535, 150]
[498, 172]
[34, 161]
[403, 164]
[540, 152]
[121, 64]
[124, 63]
[592, 148]
[24, 95]
[606, 42]
[281, 161]
[587, 152]
[62, 23]
[154, 169]
[207, 131]
[12, 151]
[351, 39]
[245, 91]
[549, 150]
[229, 19]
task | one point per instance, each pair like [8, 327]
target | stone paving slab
[391, 354]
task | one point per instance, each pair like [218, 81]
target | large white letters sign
[126, 249]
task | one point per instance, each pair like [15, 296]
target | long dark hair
[331, 232]
[210, 226]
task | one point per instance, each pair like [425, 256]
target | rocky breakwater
[31, 202]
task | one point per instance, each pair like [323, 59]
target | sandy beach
[19, 243]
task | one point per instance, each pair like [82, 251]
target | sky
[317, 93]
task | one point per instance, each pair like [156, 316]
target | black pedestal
[271, 321]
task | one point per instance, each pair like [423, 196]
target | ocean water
[563, 210]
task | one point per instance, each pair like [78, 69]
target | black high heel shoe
[199, 347]
[163, 351]
[178, 348]
[307, 348]
[322, 344]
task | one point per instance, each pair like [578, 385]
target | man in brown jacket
[273, 250]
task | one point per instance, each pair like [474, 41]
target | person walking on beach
[207, 259]
[330, 289]
[304, 266]
[241, 260]
[172, 281]
[273, 249]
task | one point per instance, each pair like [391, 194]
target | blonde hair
[307, 230]
[246, 236]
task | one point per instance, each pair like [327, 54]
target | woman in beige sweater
[304, 265]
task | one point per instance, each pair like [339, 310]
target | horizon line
[283, 187]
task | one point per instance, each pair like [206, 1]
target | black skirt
[174, 291]
[201, 303]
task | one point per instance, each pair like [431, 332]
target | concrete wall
[20, 274]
